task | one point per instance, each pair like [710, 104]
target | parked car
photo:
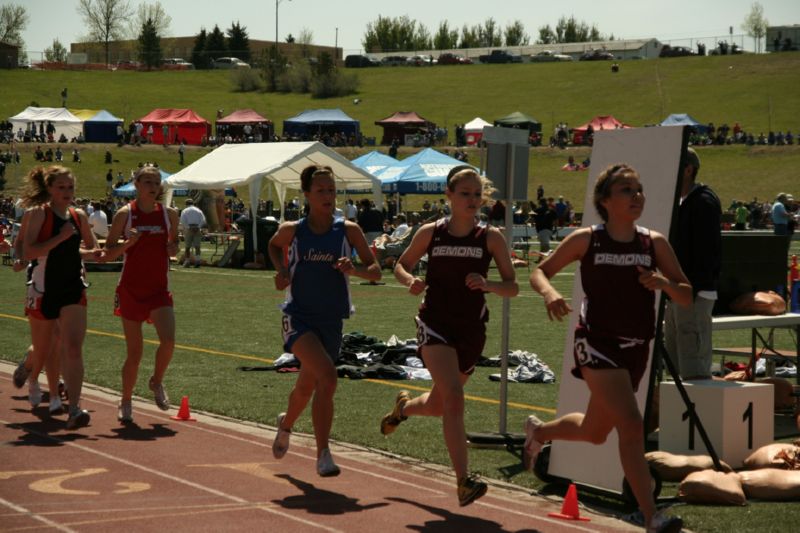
[596, 55]
[453, 59]
[360, 61]
[229, 62]
[394, 61]
[128, 65]
[421, 60]
[676, 51]
[177, 63]
[500, 56]
[548, 55]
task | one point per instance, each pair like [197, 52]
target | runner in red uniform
[451, 325]
[621, 267]
[57, 289]
[151, 236]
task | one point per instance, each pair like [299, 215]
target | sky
[344, 22]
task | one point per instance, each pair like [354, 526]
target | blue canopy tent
[320, 121]
[422, 173]
[101, 128]
[374, 162]
[129, 189]
[683, 119]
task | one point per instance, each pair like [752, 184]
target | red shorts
[131, 306]
[468, 341]
[48, 305]
[598, 351]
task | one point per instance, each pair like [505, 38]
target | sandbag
[759, 303]
[783, 392]
[711, 487]
[782, 388]
[770, 456]
[673, 467]
[771, 484]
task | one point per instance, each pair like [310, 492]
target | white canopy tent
[64, 121]
[473, 130]
[233, 165]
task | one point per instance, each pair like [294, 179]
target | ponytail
[39, 178]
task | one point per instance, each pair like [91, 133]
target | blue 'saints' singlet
[319, 292]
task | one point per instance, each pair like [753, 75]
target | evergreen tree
[215, 44]
[149, 45]
[445, 38]
[239, 42]
[199, 56]
[56, 53]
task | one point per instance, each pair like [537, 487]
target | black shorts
[467, 340]
[598, 351]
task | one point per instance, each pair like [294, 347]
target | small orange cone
[183, 412]
[569, 509]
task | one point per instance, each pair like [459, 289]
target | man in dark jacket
[698, 245]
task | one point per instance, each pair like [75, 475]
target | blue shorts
[329, 334]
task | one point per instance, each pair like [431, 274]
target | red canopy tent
[600, 122]
[401, 124]
[234, 124]
[183, 125]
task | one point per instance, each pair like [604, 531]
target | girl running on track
[621, 266]
[318, 299]
[57, 290]
[451, 324]
[150, 233]
[25, 370]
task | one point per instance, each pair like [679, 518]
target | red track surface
[219, 475]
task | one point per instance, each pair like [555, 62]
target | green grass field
[228, 318]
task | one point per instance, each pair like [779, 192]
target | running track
[219, 475]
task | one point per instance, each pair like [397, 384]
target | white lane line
[560, 523]
[269, 445]
[170, 477]
[23, 511]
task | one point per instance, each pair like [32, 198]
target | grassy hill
[758, 91]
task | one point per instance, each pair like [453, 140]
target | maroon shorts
[137, 307]
[598, 351]
[467, 340]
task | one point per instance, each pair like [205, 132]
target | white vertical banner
[655, 153]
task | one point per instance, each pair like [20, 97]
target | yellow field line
[265, 360]
[481, 399]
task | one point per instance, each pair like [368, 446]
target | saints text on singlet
[319, 292]
[615, 303]
[61, 270]
[450, 259]
[146, 263]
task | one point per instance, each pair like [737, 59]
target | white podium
[738, 418]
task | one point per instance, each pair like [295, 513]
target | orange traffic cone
[569, 509]
[183, 412]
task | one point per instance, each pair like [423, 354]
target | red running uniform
[144, 283]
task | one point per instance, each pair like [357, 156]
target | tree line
[387, 34]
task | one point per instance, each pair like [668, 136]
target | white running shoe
[325, 465]
[56, 407]
[532, 446]
[160, 394]
[34, 393]
[78, 419]
[281, 443]
[125, 411]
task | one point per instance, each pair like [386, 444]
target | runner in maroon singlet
[451, 325]
[621, 267]
[151, 236]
